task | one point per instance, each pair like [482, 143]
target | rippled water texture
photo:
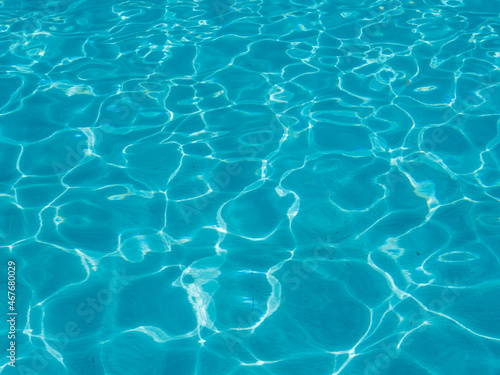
[251, 187]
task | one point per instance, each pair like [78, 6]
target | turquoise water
[251, 187]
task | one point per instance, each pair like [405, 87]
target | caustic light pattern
[251, 187]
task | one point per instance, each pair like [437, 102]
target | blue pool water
[251, 187]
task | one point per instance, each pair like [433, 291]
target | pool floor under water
[250, 187]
